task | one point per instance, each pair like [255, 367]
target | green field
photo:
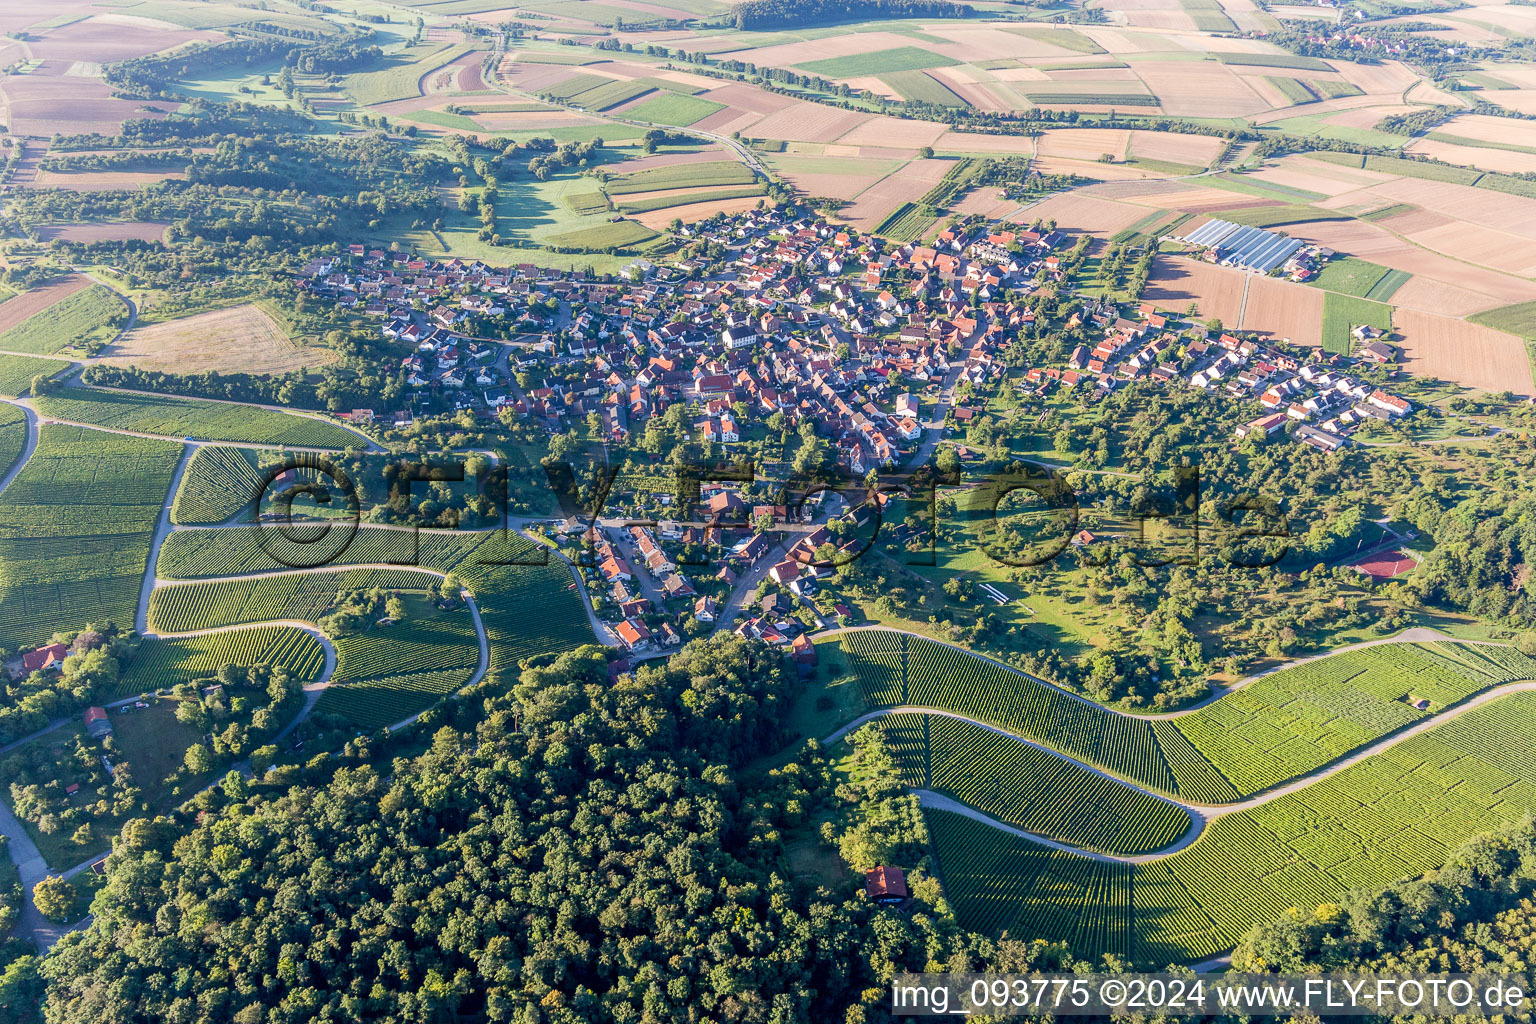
[908, 222]
[675, 109]
[610, 94]
[624, 234]
[684, 198]
[1343, 313]
[1422, 169]
[17, 372]
[1519, 319]
[921, 87]
[1272, 60]
[1391, 816]
[88, 318]
[1041, 98]
[1293, 89]
[724, 172]
[1066, 38]
[576, 85]
[880, 62]
[401, 78]
[75, 529]
[443, 120]
[564, 56]
[13, 436]
[587, 204]
[174, 416]
[1349, 276]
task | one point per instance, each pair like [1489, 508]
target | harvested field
[657, 220]
[1078, 213]
[1309, 176]
[1501, 160]
[808, 122]
[1389, 77]
[139, 230]
[105, 38]
[1477, 244]
[42, 106]
[986, 201]
[1093, 169]
[1432, 296]
[744, 97]
[841, 45]
[1467, 353]
[971, 142]
[1200, 89]
[1084, 143]
[1492, 129]
[1370, 242]
[1198, 150]
[728, 121]
[1177, 281]
[241, 339]
[894, 132]
[905, 185]
[98, 181]
[709, 154]
[14, 310]
[1284, 310]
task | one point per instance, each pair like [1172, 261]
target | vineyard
[219, 483]
[1029, 787]
[238, 550]
[1272, 730]
[303, 597]
[1393, 815]
[84, 320]
[161, 663]
[377, 702]
[75, 531]
[13, 436]
[17, 372]
[172, 416]
[428, 639]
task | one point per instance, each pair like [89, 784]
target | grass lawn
[1343, 313]
[399, 74]
[673, 109]
[1349, 276]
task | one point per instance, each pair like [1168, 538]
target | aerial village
[864, 340]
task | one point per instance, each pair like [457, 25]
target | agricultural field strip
[1202, 813]
[25, 404]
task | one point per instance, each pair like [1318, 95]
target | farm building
[96, 723]
[1248, 248]
[886, 885]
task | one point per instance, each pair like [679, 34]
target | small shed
[886, 885]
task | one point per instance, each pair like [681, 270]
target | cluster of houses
[1324, 400]
[799, 318]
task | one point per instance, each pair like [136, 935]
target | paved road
[26, 450]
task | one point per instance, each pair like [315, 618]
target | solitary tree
[54, 897]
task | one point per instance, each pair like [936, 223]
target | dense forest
[587, 850]
[769, 14]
